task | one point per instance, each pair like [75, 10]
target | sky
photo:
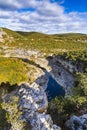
[46, 16]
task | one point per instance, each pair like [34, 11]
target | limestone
[1, 35]
[33, 103]
[77, 123]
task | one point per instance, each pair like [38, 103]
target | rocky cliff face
[33, 104]
[62, 75]
[69, 65]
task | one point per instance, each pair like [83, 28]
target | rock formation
[77, 123]
[33, 103]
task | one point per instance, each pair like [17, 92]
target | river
[54, 89]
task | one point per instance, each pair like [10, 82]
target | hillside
[57, 43]
[48, 44]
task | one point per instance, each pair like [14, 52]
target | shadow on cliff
[47, 81]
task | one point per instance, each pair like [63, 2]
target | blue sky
[73, 5]
[47, 16]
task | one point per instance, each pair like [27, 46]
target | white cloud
[50, 9]
[47, 17]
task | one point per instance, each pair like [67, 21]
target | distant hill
[43, 42]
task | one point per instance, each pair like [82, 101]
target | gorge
[30, 68]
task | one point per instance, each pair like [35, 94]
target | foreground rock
[33, 103]
[77, 123]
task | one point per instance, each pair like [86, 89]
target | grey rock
[77, 123]
[33, 103]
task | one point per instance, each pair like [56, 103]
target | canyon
[52, 75]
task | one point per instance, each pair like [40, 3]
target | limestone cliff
[33, 104]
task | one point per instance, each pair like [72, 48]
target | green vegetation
[62, 108]
[14, 71]
[76, 55]
[81, 84]
[55, 44]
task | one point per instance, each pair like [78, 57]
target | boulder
[77, 123]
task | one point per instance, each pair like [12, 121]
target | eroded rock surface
[33, 103]
[77, 123]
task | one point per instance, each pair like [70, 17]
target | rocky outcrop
[1, 35]
[33, 103]
[69, 64]
[77, 123]
[4, 37]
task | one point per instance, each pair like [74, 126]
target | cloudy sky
[47, 16]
